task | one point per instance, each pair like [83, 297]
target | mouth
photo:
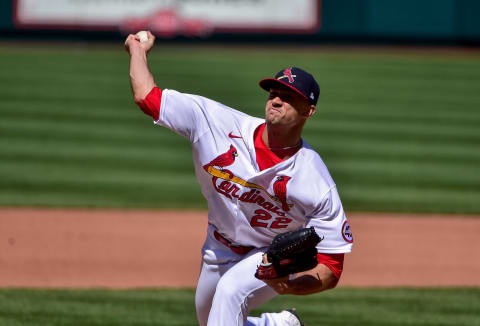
[274, 109]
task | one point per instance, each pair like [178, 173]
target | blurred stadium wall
[309, 21]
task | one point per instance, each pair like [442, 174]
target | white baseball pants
[227, 289]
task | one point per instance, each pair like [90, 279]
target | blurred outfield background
[398, 127]
[397, 124]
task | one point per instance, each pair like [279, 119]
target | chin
[273, 121]
[272, 118]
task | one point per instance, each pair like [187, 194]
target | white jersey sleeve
[330, 222]
[190, 115]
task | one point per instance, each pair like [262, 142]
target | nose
[277, 101]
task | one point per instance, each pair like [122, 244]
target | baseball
[143, 36]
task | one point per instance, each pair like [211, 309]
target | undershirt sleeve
[151, 104]
[333, 261]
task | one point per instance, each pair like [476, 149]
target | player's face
[286, 107]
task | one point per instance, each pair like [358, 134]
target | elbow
[140, 95]
[138, 98]
[333, 282]
[140, 92]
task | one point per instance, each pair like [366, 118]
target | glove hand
[291, 252]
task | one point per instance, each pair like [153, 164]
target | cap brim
[267, 83]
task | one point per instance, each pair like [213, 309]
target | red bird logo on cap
[287, 73]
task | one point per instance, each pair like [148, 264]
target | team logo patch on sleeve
[347, 232]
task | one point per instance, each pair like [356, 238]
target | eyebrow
[282, 90]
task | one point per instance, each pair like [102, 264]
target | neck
[277, 139]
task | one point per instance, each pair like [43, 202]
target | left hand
[280, 285]
[289, 253]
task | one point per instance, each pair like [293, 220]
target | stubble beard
[273, 116]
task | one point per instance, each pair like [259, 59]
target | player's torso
[246, 205]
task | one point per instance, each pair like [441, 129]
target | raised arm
[141, 79]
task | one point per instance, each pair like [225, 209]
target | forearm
[316, 280]
[141, 79]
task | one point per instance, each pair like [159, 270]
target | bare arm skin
[315, 280]
[141, 79]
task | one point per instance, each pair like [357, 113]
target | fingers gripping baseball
[142, 40]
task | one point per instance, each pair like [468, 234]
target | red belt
[241, 250]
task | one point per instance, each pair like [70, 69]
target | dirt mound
[124, 249]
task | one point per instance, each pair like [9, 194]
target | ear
[308, 113]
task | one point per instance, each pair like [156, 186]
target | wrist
[137, 51]
[281, 285]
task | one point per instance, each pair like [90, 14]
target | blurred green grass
[175, 307]
[398, 132]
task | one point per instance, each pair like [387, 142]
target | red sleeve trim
[332, 261]
[151, 104]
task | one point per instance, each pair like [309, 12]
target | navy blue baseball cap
[296, 79]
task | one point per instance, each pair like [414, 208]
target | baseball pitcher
[276, 224]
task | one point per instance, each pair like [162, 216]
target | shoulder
[172, 97]
[313, 166]
[311, 182]
[219, 114]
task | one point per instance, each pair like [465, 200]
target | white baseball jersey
[248, 206]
